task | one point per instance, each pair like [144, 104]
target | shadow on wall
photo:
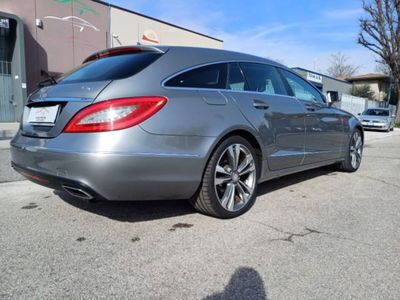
[245, 283]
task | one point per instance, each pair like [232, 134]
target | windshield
[376, 112]
[110, 68]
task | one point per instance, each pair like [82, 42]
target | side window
[211, 77]
[302, 89]
[236, 80]
[263, 79]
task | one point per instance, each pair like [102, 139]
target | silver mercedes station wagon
[144, 123]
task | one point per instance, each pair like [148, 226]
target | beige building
[378, 83]
[39, 38]
[130, 28]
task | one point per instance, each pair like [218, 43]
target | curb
[5, 144]
[7, 134]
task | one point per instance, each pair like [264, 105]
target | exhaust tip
[77, 192]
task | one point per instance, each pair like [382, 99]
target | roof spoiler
[121, 51]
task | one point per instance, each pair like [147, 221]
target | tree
[363, 91]
[340, 67]
[382, 68]
[380, 33]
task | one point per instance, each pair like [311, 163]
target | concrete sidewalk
[8, 130]
[5, 144]
[7, 174]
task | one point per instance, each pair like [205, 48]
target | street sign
[314, 77]
[4, 23]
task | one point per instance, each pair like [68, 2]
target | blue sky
[296, 32]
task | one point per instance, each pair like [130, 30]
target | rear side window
[111, 68]
[301, 88]
[263, 79]
[211, 77]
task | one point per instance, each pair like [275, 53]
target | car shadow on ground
[288, 180]
[131, 211]
[139, 211]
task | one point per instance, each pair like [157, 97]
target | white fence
[357, 105]
[352, 104]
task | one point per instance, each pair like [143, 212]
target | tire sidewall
[221, 211]
[348, 157]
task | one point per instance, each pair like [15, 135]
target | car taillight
[112, 52]
[115, 114]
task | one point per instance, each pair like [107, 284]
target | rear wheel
[354, 154]
[229, 184]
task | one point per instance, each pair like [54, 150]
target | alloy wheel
[235, 177]
[356, 147]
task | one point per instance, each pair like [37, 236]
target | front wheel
[354, 155]
[229, 184]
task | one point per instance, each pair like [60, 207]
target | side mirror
[333, 96]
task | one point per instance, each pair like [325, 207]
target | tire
[354, 153]
[227, 193]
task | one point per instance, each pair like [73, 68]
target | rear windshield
[110, 68]
[376, 112]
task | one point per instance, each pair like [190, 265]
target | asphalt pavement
[320, 234]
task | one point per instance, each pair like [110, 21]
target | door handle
[259, 104]
[311, 107]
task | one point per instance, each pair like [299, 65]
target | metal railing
[7, 110]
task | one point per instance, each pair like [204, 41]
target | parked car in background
[378, 119]
[144, 123]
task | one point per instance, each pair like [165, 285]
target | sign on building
[314, 77]
[4, 23]
[150, 37]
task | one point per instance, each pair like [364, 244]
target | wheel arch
[246, 133]
[359, 127]
[354, 123]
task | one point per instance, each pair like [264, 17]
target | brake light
[112, 52]
[115, 114]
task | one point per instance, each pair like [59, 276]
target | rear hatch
[50, 108]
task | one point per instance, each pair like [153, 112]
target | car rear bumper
[58, 183]
[110, 171]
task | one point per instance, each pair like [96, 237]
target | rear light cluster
[115, 114]
[112, 52]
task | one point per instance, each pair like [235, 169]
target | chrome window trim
[218, 89]
[229, 91]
